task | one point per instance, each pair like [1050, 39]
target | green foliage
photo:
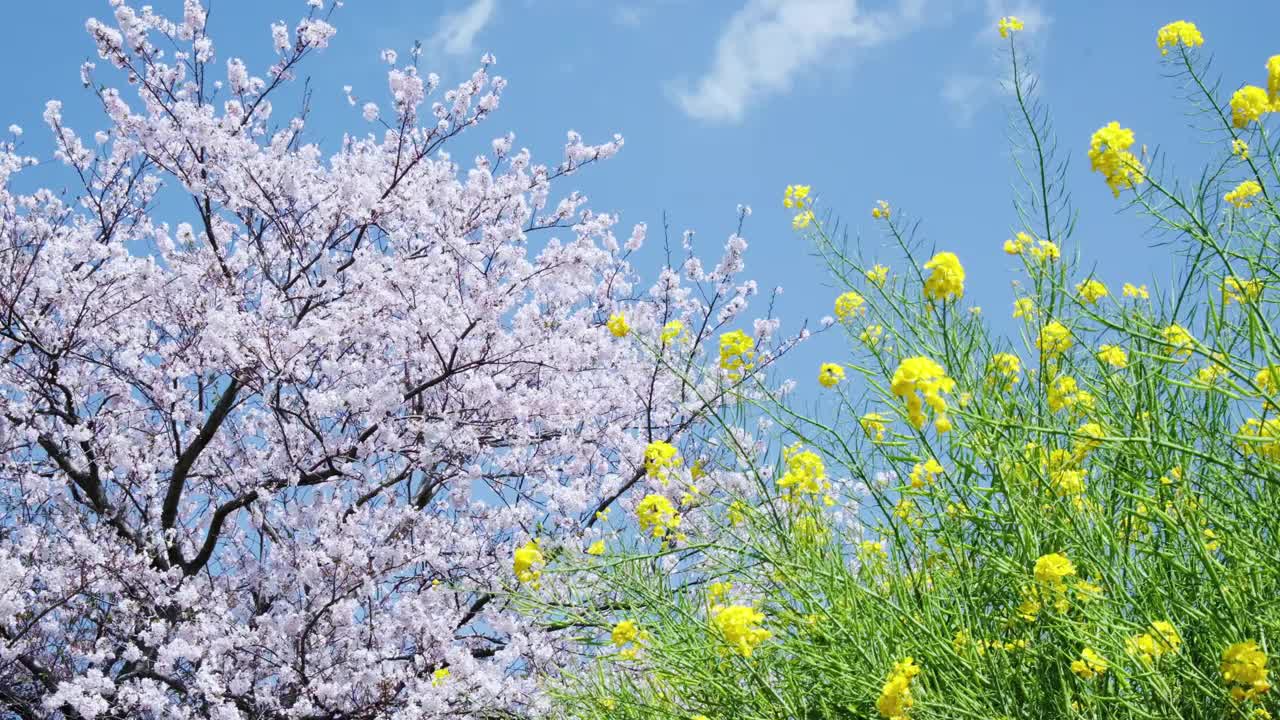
[1133, 511]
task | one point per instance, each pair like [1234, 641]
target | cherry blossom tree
[274, 421]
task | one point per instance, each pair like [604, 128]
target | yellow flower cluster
[1181, 342]
[1273, 79]
[873, 424]
[877, 275]
[895, 697]
[1053, 569]
[1090, 665]
[660, 458]
[1138, 292]
[1239, 147]
[618, 325]
[1009, 24]
[1005, 370]
[1244, 670]
[850, 304]
[736, 353]
[830, 375]
[797, 197]
[1160, 640]
[1240, 290]
[805, 472]
[1091, 291]
[925, 473]
[921, 381]
[671, 331]
[1179, 32]
[740, 626]
[1024, 308]
[628, 636]
[657, 516]
[881, 211]
[1054, 339]
[1114, 356]
[946, 279]
[1249, 104]
[1243, 194]
[1261, 438]
[527, 562]
[1109, 154]
[1065, 393]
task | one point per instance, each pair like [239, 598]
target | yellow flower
[881, 211]
[1181, 340]
[1161, 639]
[924, 473]
[660, 458]
[1235, 289]
[1091, 291]
[1005, 369]
[596, 548]
[895, 697]
[736, 353]
[618, 325]
[1261, 437]
[1065, 393]
[656, 515]
[718, 591]
[1008, 25]
[805, 472]
[830, 375]
[871, 334]
[877, 275]
[1090, 664]
[1087, 591]
[1268, 379]
[1054, 340]
[1045, 251]
[438, 676]
[1209, 374]
[672, 330]
[873, 424]
[795, 196]
[1248, 104]
[527, 562]
[1019, 242]
[1239, 147]
[872, 550]
[1179, 32]
[1109, 154]
[1053, 568]
[921, 381]
[946, 280]
[1114, 356]
[740, 626]
[802, 220]
[1273, 78]
[850, 304]
[1136, 291]
[1244, 193]
[626, 632]
[1244, 670]
[1024, 308]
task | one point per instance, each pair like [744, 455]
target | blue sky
[726, 101]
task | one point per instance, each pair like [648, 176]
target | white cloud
[629, 15]
[457, 33]
[768, 43]
[967, 92]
